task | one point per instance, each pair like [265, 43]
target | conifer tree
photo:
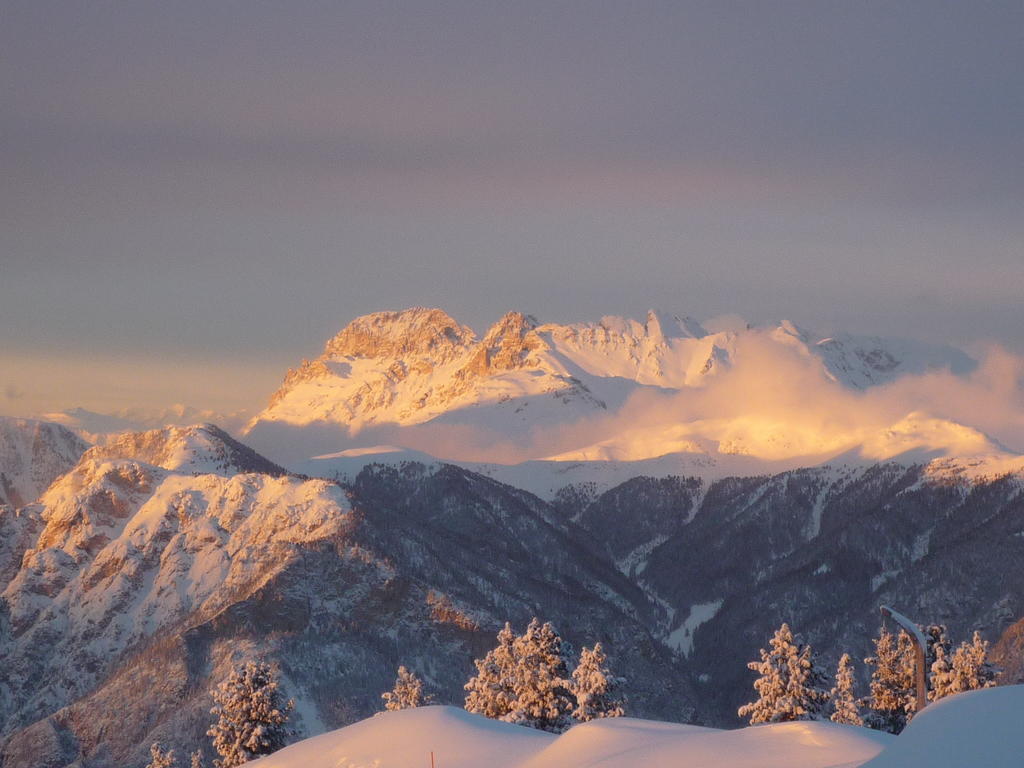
[158, 758]
[935, 637]
[407, 693]
[790, 686]
[524, 680]
[541, 683]
[595, 687]
[968, 670]
[197, 759]
[893, 698]
[491, 691]
[251, 715]
[844, 704]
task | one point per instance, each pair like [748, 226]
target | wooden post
[920, 642]
[431, 759]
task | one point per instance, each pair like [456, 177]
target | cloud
[12, 392]
[775, 405]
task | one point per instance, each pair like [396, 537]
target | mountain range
[618, 390]
[134, 572]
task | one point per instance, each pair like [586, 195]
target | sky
[194, 196]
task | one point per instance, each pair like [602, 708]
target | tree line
[791, 684]
[526, 679]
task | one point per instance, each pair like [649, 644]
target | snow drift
[459, 739]
[981, 728]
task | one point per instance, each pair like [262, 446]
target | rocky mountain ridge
[393, 373]
[139, 582]
[33, 454]
[134, 583]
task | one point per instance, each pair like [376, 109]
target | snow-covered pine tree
[491, 692]
[935, 635]
[844, 703]
[407, 693]
[158, 758]
[595, 687]
[251, 715]
[893, 698]
[967, 670]
[790, 686]
[978, 672]
[543, 698]
[941, 677]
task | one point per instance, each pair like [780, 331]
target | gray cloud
[247, 177]
[11, 392]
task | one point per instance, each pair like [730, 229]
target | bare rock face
[421, 333]
[506, 347]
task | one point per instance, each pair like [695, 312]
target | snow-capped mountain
[528, 390]
[160, 559]
[32, 455]
[142, 578]
[697, 498]
[411, 366]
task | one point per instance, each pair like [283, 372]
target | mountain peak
[665, 326]
[32, 455]
[507, 345]
[418, 332]
[200, 448]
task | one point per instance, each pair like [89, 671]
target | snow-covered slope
[981, 728]
[916, 438]
[159, 559]
[125, 547]
[978, 728]
[419, 366]
[32, 455]
[413, 366]
[202, 449]
[462, 740]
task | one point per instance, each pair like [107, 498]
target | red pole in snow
[431, 760]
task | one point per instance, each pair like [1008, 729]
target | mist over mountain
[626, 390]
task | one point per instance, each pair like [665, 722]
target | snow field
[980, 729]
[459, 739]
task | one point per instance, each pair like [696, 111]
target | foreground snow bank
[461, 740]
[982, 728]
[405, 739]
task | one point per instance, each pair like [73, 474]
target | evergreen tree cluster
[791, 686]
[966, 670]
[526, 680]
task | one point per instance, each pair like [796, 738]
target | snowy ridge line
[524, 388]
